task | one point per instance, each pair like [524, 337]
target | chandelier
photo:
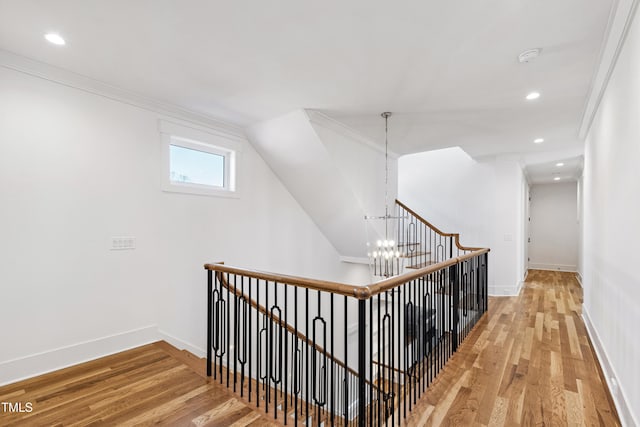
[385, 257]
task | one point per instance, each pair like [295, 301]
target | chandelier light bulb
[392, 243]
[397, 254]
[379, 243]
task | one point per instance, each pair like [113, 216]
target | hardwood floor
[527, 362]
[150, 385]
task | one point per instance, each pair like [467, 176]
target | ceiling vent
[529, 55]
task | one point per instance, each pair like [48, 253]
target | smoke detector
[529, 55]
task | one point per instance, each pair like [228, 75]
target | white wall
[523, 225]
[78, 168]
[483, 201]
[508, 233]
[611, 228]
[554, 227]
[336, 175]
[580, 219]
[361, 164]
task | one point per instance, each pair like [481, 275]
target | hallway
[528, 362]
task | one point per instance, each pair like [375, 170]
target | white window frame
[195, 139]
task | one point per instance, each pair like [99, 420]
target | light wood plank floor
[527, 362]
[150, 385]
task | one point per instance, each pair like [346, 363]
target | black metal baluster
[371, 406]
[296, 369]
[404, 349]
[442, 320]
[380, 360]
[417, 335]
[258, 345]
[396, 334]
[465, 297]
[432, 326]
[362, 362]
[283, 387]
[219, 339]
[346, 361]
[216, 327]
[427, 296]
[306, 359]
[250, 340]
[241, 347]
[275, 350]
[209, 319]
[456, 297]
[486, 281]
[333, 363]
[228, 325]
[266, 385]
[235, 337]
[419, 309]
[386, 357]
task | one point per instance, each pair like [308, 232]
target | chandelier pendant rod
[386, 115]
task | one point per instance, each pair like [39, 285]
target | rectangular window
[190, 166]
[197, 162]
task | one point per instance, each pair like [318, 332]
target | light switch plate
[123, 243]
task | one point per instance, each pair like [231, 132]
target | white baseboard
[623, 407]
[553, 267]
[59, 358]
[182, 345]
[501, 291]
[579, 277]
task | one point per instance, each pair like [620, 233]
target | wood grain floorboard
[149, 385]
[533, 364]
[528, 361]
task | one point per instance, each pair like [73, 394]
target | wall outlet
[122, 243]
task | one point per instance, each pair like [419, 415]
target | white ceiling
[448, 70]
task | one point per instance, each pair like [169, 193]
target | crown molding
[68, 78]
[620, 21]
[330, 123]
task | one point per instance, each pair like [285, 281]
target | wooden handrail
[304, 282]
[359, 292]
[456, 236]
[394, 282]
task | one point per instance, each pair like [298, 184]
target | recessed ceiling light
[533, 95]
[55, 39]
[538, 140]
[557, 178]
[559, 164]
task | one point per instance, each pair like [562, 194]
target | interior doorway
[553, 227]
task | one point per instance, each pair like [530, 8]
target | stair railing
[321, 353]
[422, 243]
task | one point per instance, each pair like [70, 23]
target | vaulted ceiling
[447, 70]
